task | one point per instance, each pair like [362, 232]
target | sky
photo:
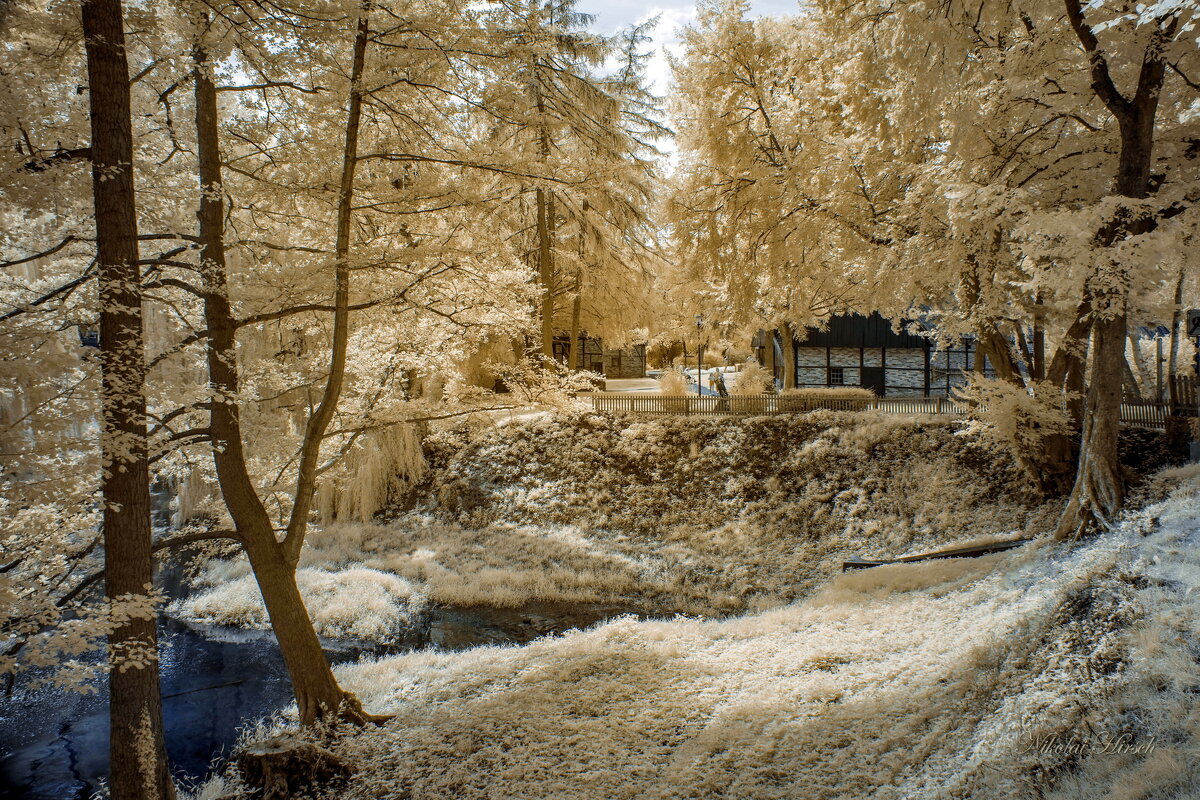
[612, 15]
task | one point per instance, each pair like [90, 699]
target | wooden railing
[1147, 414]
[1181, 392]
[758, 404]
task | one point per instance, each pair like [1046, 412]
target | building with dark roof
[857, 350]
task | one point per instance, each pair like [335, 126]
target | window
[836, 377]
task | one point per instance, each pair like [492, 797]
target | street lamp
[699, 356]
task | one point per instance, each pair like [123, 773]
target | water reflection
[54, 744]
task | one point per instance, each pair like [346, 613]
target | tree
[1099, 492]
[138, 765]
[266, 492]
[753, 219]
[955, 177]
[578, 152]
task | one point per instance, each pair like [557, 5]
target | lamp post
[699, 356]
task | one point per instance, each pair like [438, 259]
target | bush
[673, 383]
[837, 398]
[1014, 418]
[753, 379]
[534, 380]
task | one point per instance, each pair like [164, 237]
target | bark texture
[138, 762]
[545, 261]
[1099, 491]
[788, 335]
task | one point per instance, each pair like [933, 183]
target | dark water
[54, 743]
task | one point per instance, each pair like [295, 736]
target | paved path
[631, 385]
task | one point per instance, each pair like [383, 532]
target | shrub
[534, 380]
[1014, 418]
[838, 398]
[752, 379]
[673, 383]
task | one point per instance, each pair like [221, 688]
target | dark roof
[1156, 332]
[855, 330]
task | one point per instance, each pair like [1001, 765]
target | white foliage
[547, 382]
[381, 465]
[753, 378]
[673, 382]
[956, 679]
[1013, 417]
[354, 603]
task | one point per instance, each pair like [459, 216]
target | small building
[857, 350]
[623, 362]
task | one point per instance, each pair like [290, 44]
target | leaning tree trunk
[137, 755]
[1146, 377]
[316, 689]
[1132, 388]
[318, 423]
[1099, 492]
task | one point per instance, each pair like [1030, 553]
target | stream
[54, 743]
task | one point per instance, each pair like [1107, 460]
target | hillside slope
[1055, 671]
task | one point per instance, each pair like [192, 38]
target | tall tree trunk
[787, 334]
[545, 219]
[316, 690]
[1038, 367]
[574, 354]
[1173, 353]
[545, 216]
[1099, 491]
[137, 753]
[1135, 380]
[574, 358]
[318, 423]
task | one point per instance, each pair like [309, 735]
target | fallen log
[968, 551]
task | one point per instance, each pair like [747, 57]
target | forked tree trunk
[317, 693]
[137, 754]
[1099, 492]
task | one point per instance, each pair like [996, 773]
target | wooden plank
[969, 551]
